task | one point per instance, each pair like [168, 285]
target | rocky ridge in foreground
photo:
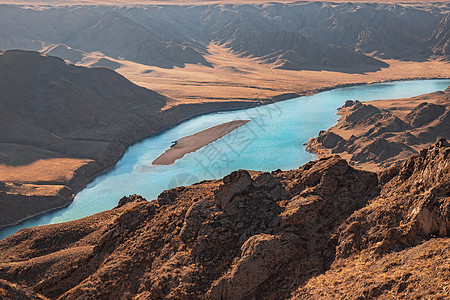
[325, 229]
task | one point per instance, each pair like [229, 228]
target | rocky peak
[132, 198]
[233, 184]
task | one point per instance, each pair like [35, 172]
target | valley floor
[244, 79]
[232, 83]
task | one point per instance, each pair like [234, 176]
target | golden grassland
[243, 79]
[43, 170]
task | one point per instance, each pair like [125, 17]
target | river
[273, 139]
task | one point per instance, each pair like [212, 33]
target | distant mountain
[65, 52]
[92, 30]
[383, 30]
[441, 38]
[374, 29]
[294, 51]
[176, 35]
[120, 37]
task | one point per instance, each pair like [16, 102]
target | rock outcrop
[382, 137]
[283, 234]
[10, 291]
[441, 39]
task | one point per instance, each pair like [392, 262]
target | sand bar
[196, 141]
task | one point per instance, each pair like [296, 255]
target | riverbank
[168, 118]
[69, 176]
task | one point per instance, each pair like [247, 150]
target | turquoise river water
[273, 139]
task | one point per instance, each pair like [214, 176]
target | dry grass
[241, 79]
[395, 276]
[401, 107]
[43, 171]
[34, 190]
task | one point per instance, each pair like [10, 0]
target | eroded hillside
[61, 124]
[323, 229]
[383, 133]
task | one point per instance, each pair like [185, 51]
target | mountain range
[169, 36]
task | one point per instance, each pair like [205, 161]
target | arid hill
[294, 51]
[441, 38]
[90, 30]
[59, 121]
[380, 134]
[323, 230]
[170, 36]
[184, 51]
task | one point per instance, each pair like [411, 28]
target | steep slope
[398, 245]
[65, 52]
[294, 51]
[441, 38]
[250, 236]
[42, 95]
[384, 133]
[92, 29]
[371, 29]
[385, 30]
[60, 125]
[9, 291]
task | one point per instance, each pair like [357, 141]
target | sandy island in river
[196, 141]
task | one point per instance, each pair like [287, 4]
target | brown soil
[323, 230]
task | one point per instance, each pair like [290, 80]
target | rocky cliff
[441, 38]
[323, 229]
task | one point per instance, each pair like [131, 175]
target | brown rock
[299, 233]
